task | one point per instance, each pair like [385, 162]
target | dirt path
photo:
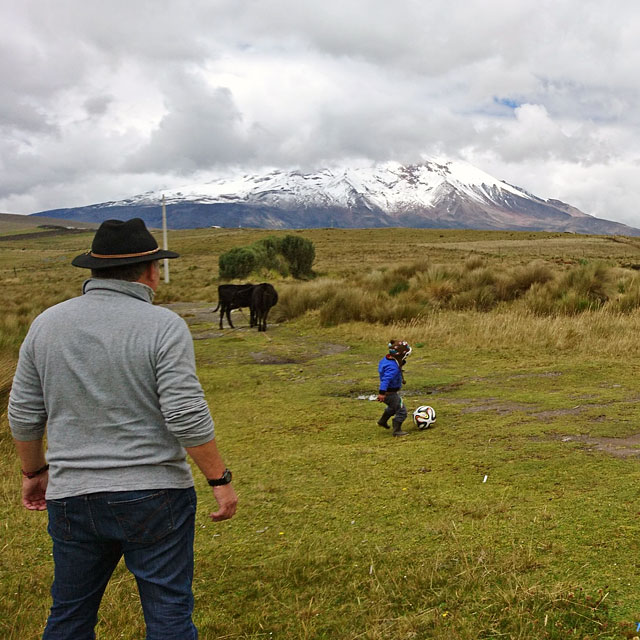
[201, 313]
[203, 324]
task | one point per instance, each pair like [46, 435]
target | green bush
[289, 255]
[300, 254]
[269, 255]
[237, 263]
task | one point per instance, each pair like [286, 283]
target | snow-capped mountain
[435, 194]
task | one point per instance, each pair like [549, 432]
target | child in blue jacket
[391, 381]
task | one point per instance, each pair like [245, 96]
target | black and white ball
[424, 416]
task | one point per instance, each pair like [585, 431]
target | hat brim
[87, 261]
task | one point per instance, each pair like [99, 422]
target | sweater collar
[133, 289]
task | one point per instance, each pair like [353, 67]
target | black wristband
[33, 474]
[218, 482]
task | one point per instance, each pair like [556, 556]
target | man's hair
[128, 272]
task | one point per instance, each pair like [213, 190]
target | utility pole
[164, 239]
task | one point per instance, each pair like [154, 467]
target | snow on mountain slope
[387, 187]
[436, 193]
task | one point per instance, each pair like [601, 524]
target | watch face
[225, 479]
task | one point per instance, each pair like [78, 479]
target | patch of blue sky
[507, 102]
[494, 109]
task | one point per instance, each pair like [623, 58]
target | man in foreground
[112, 378]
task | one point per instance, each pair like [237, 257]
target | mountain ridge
[435, 193]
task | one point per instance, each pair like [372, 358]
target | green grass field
[516, 516]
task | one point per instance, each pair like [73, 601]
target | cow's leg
[229, 317]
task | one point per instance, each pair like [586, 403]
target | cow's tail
[214, 310]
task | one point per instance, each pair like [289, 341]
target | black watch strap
[224, 479]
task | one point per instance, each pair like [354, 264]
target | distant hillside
[11, 222]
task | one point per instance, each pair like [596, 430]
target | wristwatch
[224, 479]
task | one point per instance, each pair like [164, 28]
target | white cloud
[105, 100]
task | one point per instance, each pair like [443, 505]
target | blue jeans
[152, 529]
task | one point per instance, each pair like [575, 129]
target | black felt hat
[120, 242]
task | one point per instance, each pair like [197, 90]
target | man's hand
[227, 500]
[33, 490]
[381, 397]
[209, 461]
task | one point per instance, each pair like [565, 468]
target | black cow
[263, 297]
[233, 296]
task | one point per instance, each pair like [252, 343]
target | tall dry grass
[412, 291]
[604, 332]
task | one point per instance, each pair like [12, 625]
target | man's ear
[148, 276]
[151, 266]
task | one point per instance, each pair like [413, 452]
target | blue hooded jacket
[390, 375]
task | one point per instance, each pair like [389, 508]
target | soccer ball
[424, 416]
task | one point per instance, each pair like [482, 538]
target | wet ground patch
[317, 351]
[502, 407]
[628, 447]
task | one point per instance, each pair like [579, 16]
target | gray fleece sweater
[113, 380]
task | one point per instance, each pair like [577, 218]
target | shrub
[237, 263]
[268, 255]
[299, 253]
[289, 255]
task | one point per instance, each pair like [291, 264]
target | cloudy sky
[104, 100]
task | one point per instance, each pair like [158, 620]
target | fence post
[164, 239]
